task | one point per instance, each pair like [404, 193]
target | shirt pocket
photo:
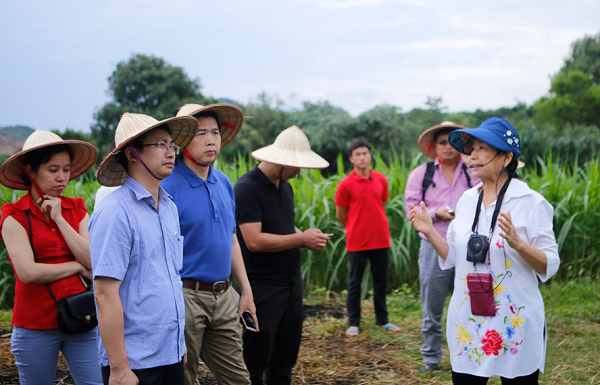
[178, 251]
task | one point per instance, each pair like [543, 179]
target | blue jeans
[36, 355]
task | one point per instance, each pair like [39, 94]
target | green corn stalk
[573, 190]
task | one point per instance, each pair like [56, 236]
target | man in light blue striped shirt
[137, 252]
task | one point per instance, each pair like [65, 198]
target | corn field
[573, 190]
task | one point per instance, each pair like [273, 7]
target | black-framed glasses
[163, 147]
[442, 142]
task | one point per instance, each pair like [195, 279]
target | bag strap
[35, 257]
[464, 167]
[428, 178]
[496, 210]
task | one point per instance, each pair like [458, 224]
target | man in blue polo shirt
[205, 200]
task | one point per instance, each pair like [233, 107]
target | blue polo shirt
[142, 247]
[207, 219]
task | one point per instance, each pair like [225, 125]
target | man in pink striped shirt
[439, 184]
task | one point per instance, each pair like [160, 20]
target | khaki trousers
[213, 333]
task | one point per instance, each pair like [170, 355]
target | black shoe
[429, 367]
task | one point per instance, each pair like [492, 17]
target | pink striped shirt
[442, 195]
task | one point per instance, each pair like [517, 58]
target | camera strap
[496, 210]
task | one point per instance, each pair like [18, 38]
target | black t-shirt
[257, 199]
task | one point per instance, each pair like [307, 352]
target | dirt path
[326, 356]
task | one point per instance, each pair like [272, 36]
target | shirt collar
[354, 175]
[516, 189]
[141, 193]
[263, 179]
[26, 203]
[193, 179]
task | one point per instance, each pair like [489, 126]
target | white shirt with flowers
[513, 342]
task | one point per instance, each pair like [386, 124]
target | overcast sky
[55, 57]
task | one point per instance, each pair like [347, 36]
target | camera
[477, 248]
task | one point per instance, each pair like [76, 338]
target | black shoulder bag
[77, 313]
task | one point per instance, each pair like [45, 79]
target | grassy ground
[379, 357]
[573, 357]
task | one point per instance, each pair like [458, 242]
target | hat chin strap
[35, 185]
[447, 164]
[140, 159]
[190, 157]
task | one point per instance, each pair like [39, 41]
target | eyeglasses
[442, 142]
[163, 147]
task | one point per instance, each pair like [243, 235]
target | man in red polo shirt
[360, 207]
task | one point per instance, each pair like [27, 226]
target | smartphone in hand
[248, 322]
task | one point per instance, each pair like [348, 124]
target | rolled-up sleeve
[542, 236]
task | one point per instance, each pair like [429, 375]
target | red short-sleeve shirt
[34, 308]
[367, 226]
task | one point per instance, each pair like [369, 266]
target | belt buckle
[218, 291]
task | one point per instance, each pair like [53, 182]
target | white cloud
[346, 4]
[353, 53]
[449, 43]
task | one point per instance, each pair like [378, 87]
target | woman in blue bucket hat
[500, 242]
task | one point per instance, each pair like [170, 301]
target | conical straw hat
[230, 118]
[291, 148]
[111, 172]
[12, 173]
[427, 136]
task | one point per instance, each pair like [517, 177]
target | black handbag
[77, 313]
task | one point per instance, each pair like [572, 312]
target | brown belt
[216, 288]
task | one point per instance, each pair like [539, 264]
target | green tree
[143, 84]
[269, 119]
[383, 127]
[70, 133]
[585, 57]
[573, 99]
[329, 129]
[417, 120]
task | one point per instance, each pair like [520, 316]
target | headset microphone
[483, 165]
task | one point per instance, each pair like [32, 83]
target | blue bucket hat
[496, 132]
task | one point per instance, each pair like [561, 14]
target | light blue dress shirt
[142, 247]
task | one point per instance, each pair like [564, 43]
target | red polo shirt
[367, 226]
[34, 308]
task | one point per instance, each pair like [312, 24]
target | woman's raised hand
[52, 206]
[420, 221]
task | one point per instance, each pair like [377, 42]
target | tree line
[565, 121]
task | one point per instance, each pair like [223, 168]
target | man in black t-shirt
[270, 243]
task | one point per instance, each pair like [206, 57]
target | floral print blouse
[513, 342]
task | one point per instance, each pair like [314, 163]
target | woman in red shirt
[60, 256]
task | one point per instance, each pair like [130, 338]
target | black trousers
[160, 375]
[469, 379]
[272, 352]
[379, 269]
